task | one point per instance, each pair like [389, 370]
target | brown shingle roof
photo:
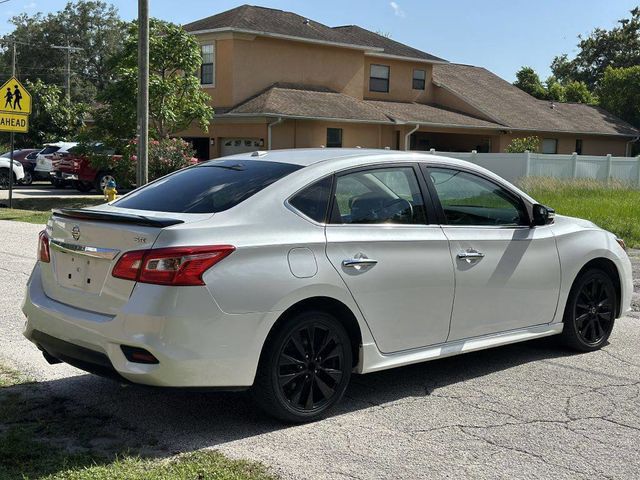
[430, 114]
[506, 104]
[309, 102]
[280, 22]
[361, 36]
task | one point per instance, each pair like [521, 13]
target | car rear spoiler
[115, 217]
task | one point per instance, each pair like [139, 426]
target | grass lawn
[45, 437]
[38, 210]
[614, 207]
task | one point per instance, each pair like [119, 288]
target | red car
[76, 169]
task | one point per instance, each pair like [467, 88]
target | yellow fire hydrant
[110, 191]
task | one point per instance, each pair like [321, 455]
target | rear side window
[49, 150]
[313, 201]
[207, 188]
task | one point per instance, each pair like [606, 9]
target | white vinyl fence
[512, 166]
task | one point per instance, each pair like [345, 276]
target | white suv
[18, 172]
[44, 159]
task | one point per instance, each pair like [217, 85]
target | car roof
[328, 160]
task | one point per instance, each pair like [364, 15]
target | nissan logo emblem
[75, 232]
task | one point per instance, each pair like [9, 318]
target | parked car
[288, 271]
[75, 168]
[18, 172]
[44, 161]
[27, 157]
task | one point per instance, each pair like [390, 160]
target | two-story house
[279, 80]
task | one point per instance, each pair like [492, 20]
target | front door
[507, 274]
[395, 263]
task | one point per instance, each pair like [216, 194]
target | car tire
[590, 311]
[4, 179]
[101, 180]
[28, 178]
[305, 368]
[58, 183]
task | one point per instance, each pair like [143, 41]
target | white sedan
[288, 271]
[17, 169]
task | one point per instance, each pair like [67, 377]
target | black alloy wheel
[305, 369]
[4, 179]
[591, 311]
[310, 366]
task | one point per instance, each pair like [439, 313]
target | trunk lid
[85, 245]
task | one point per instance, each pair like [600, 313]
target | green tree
[619, 93]
[555, 90]
[523, 144]
[92, 25]
[175, 96]
[617, 48]
[578, 92]
[53, 118]
[528, 80]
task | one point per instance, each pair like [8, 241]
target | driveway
[529, 410]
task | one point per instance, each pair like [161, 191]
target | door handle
[359, 263]
[470, 255]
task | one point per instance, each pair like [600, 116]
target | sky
[500, 35]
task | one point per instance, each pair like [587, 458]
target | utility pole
[69, 50]
[13, 74]
[143, 93]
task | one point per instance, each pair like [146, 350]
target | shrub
[523, 144]
[165, 156]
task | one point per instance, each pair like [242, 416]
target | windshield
[210, 187]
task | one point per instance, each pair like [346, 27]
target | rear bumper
[197, 344]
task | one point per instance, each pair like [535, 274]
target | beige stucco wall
[313, 134]
[400, 81]
[260, 62]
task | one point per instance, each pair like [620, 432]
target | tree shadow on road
[98, 420]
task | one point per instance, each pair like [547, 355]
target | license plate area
[80, 272]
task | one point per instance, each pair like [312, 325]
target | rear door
[507, 274]
[395, 263]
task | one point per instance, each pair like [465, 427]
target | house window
[208, 67]
[578, 149]
[550, 145]
[379, 78]
[334, 137]
[419, 77]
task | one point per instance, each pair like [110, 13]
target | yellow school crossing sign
[15, 107]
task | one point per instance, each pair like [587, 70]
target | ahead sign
[10, 122]
[14, 98]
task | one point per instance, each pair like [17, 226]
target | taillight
[170, 266]
[43, 247]
[128, 267]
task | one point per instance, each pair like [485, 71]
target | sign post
[15, 107]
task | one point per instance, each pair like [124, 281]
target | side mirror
[543, 215]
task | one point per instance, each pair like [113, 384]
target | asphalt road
[529, 410]
[43, 190]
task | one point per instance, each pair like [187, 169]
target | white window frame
[212, 63]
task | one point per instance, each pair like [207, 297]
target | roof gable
[279, 22]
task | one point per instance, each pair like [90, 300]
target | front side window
[207, 69]
[550, 145]
[419, 77]
[313, 201]
[468, 199]
[379, 78]
[334, 137]
[379, 196]
[210, 187]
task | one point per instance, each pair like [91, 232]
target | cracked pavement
[529, 410]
